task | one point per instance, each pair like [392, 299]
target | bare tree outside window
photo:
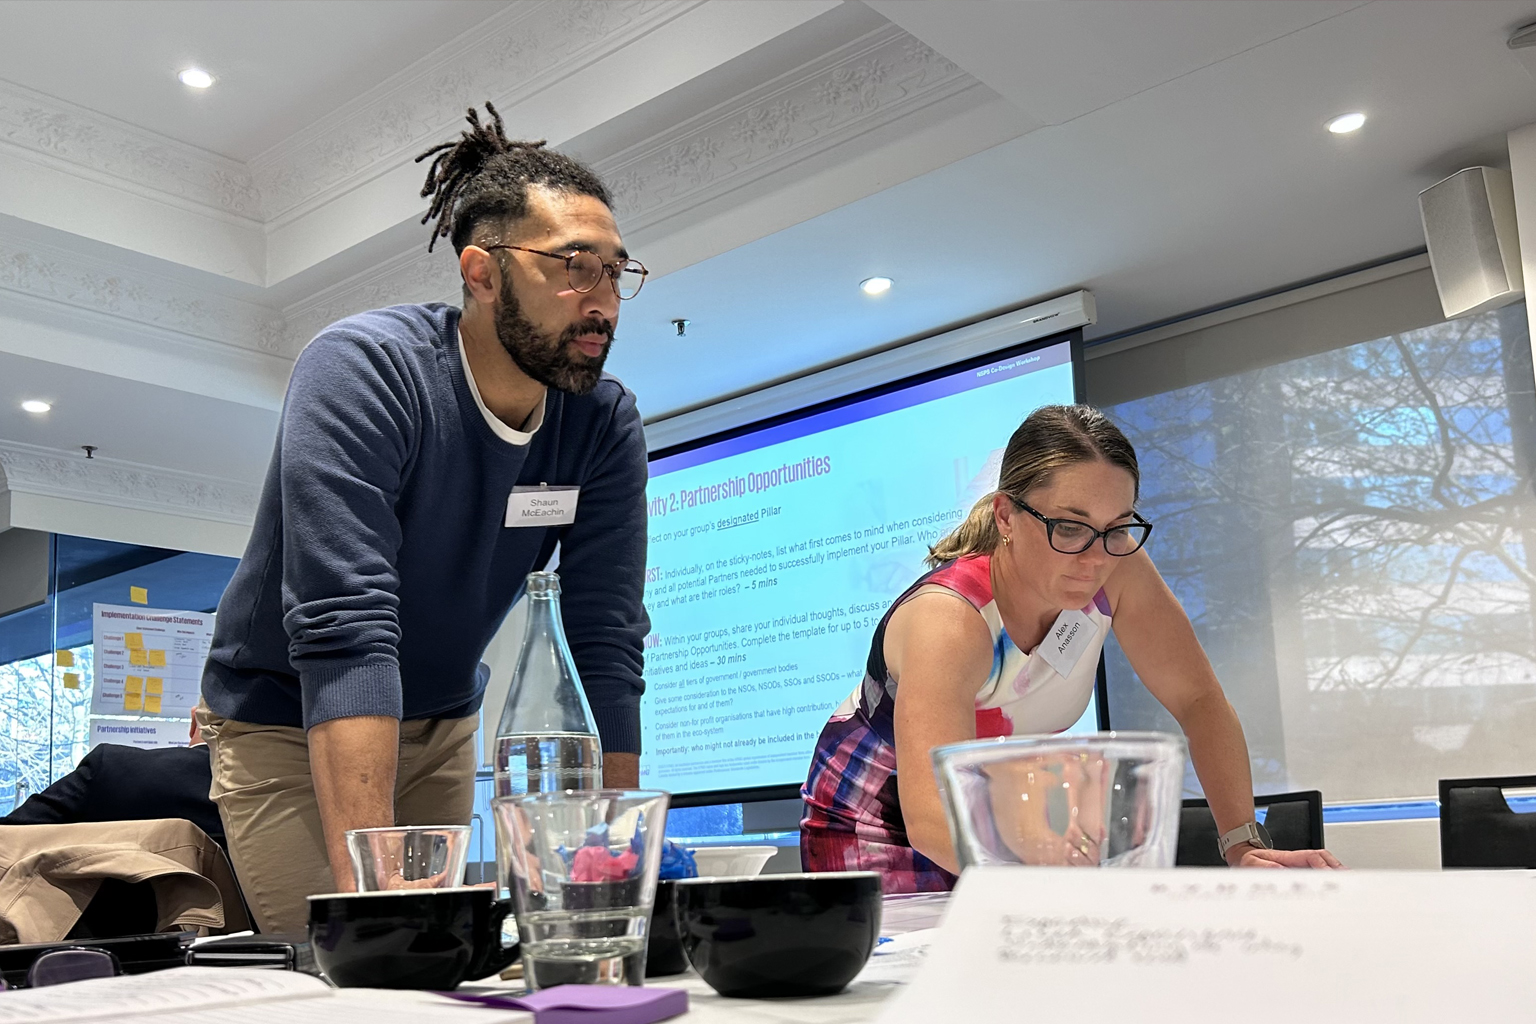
[46, 719]
[1351, 533]
[47, 725]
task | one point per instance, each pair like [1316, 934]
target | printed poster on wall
[142, 733]
[149, 661]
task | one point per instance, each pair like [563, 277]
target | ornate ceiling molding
[753, 137]
[71, 278]
[65, 136]
[508, 58]
[32, 469]
[869, 82]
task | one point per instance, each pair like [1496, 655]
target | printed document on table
[1195, 946]
[148, 661]
[198, 995]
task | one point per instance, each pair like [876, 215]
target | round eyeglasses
[585, 269]
[1073, 537]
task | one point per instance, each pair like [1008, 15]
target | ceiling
[1168, 155]
[1214, 185]
[278, 66]
[133, 421]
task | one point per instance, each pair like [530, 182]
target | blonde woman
[959, 656]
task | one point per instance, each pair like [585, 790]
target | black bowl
[663, 947]
[779, 935]
[412, 938]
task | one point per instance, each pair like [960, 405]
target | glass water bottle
[546, 740]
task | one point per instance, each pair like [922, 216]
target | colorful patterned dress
[853, 815]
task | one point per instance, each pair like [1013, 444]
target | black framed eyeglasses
[72, 963]
[585, 269]
[1073, 537]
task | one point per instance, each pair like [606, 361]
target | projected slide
[773, 556]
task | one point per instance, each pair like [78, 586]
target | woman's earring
[1007, 540]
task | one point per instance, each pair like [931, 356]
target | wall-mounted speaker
[1474, 248]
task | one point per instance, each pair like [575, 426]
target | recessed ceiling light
[33, 405]
[875, 285]
[1346, 123]
[197, 78]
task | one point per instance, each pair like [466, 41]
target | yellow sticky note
[138, 595]
[157, 658]
[133, 702]
[138, 656]
[64, 659]
[134, 684]
[71, 680]
[133, 641]
[152, 705]
[153, 685]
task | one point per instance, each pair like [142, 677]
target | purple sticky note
[590, 1004]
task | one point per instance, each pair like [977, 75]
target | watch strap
[1250, 832]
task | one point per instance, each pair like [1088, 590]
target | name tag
[542, 506]
[1067, 639]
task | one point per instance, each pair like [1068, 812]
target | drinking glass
[409, 857]
[1108, 799]
[581, 865]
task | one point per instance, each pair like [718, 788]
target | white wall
[501, 656]
[1522, 167]
[1410, 844]
[125, 525]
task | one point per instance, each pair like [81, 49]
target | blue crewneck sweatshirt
[379, 566]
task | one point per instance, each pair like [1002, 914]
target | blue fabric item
[677, 862]
[379, 569]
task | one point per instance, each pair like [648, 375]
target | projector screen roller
[775, 550]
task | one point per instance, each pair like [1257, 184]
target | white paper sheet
[1196, 946]
[140, 733]
[185, 988]
[199, 995]
[149, 661]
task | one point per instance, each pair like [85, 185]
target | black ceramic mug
[779, 935]
[409, 938]
[664, 948]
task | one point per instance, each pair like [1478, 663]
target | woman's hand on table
[1254, 857]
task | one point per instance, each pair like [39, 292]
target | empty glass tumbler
[409, 857]
[582, 869]
[1108, 799]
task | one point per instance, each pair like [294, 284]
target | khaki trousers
[266, 797]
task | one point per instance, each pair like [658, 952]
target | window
[46, 665]
[1352, 532]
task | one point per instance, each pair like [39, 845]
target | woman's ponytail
[1052, 437]
[976, 535]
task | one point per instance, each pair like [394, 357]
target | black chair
[1477, 828]
[1294, 822]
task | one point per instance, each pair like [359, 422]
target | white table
[859, 1003]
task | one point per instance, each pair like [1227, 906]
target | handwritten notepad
[1196, 946]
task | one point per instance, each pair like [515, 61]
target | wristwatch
[1249, 832]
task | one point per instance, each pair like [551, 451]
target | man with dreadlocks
[342, 688]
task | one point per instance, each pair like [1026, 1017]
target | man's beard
[553, 362]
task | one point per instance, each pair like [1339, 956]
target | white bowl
[732, 861]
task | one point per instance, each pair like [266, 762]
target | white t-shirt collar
[500, 429]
